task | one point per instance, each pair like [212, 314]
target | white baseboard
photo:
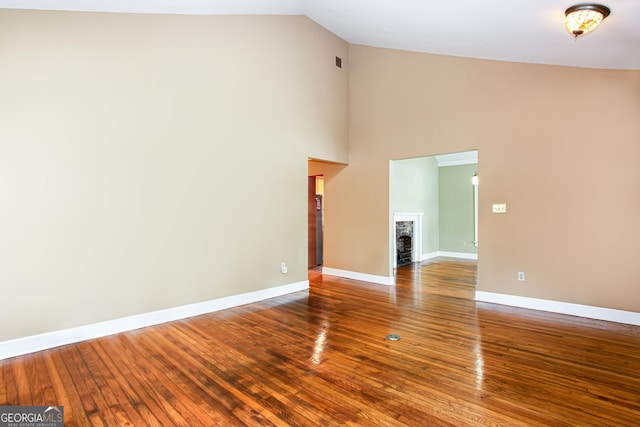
[461, 255]
[429, 256]
[380, 280]
[48, 340]
[591, 312]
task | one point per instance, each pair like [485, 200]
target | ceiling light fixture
[582, 19]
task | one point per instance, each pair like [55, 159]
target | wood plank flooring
[320, 358]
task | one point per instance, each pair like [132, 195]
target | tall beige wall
[559, 145]
[148, 162]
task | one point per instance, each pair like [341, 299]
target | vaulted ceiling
[521, 31]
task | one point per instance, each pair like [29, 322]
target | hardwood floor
[321, 358]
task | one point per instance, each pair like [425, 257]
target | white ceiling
[510, 30]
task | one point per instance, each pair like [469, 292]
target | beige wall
[559, 145]
[152, 161]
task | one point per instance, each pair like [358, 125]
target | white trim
[591, 312]
[456, 159]
[463, 255]
[380, 280]
[429, 256]
[31, 344]
[446, 163]
[475, 212]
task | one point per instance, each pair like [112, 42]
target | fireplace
[404, 242]
[407, 238]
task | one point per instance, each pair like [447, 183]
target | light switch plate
[499, 208]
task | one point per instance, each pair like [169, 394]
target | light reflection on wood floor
[320, 357]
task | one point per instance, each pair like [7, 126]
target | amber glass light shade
[583, 19]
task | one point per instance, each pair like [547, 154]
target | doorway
[315, 210]
[440, 191]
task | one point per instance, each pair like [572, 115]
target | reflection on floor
[321, 357]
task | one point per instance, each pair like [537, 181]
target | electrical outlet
[521, 276]
[499, 208]
[283, 268]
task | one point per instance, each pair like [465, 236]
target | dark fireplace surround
[404, 242]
